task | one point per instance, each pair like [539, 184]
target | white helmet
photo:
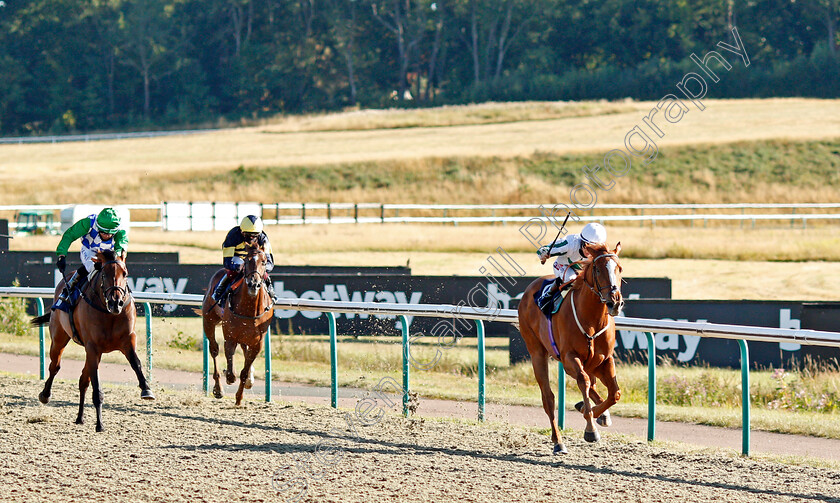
[594, 234]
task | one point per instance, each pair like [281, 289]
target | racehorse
[581, 335]
[245, 319]
[104, 322]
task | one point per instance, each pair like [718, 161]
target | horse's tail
[41, 320]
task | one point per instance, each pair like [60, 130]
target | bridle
[256, 284]
[104, 292]
[596, 289]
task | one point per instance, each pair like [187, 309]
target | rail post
[147, 311]
[651, 427]
[561, 396]
[42, 343]
[481, 364]
[333, 361]
[206, 367]
[406, 354]
[745, 397]
[268, 364]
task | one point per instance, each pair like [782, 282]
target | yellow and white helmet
[251, 225]
[594, 233]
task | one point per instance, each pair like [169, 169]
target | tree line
[84, 65]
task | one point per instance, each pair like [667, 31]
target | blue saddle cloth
[556, 299]
[74, 298]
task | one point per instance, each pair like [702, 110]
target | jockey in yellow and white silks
[570, 250]
[249, 232]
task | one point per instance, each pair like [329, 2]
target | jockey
[98, 233]
[572, 249]
[249, 232]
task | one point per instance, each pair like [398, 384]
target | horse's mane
[108, 255]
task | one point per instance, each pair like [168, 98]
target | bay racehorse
[581, 335]
[245, 319]
[104, 322]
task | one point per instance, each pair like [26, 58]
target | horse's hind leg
[210, 333]
[58, 342]
[251, 353]
[84, 381]
[606, 373]
[130, 353]
[573, 363]
[540, 364]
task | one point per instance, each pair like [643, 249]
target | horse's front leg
[606, 373]
[92, 367]
[230, 349]
[573, 362]
[604, 419]
[84, 382]
[251, 353]
[130, 353]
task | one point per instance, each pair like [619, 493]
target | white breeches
[564, 272]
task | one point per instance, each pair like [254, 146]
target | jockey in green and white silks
[97, 233]
[570, 250]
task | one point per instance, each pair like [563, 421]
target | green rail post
[405, 350]
[333, 361]
[39, 303]
[745, 397]
[147, 311]
[651, 428]
[481, 363]
[561, 396]
[268, 364]
[206, 367]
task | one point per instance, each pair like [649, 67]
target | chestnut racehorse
[581, 335]
[104, 322]
[245, 319]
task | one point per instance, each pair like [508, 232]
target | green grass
[787, 402]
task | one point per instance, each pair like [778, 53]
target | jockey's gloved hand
[61, 264]
[543, 253]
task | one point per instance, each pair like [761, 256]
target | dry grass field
[183, 167]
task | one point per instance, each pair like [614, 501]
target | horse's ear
[617, 248]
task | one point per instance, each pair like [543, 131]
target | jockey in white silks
[569, 251]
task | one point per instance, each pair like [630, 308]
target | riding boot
[221, 287]
[71, 285]
[269, 286]
[547, 294]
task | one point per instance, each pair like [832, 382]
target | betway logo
[340, 292]
[159, 285]
[631, 339]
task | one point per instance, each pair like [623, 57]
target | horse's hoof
[100, 428]
[44, 398]
[604, 419]
[229, 377]
[560, 449]
[80, 420]
[147, 394]
[248, 383]
[579, 406]
[591, 436]
[217, 393]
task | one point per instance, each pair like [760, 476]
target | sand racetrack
[185, 447]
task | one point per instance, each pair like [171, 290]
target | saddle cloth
[556, 299]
